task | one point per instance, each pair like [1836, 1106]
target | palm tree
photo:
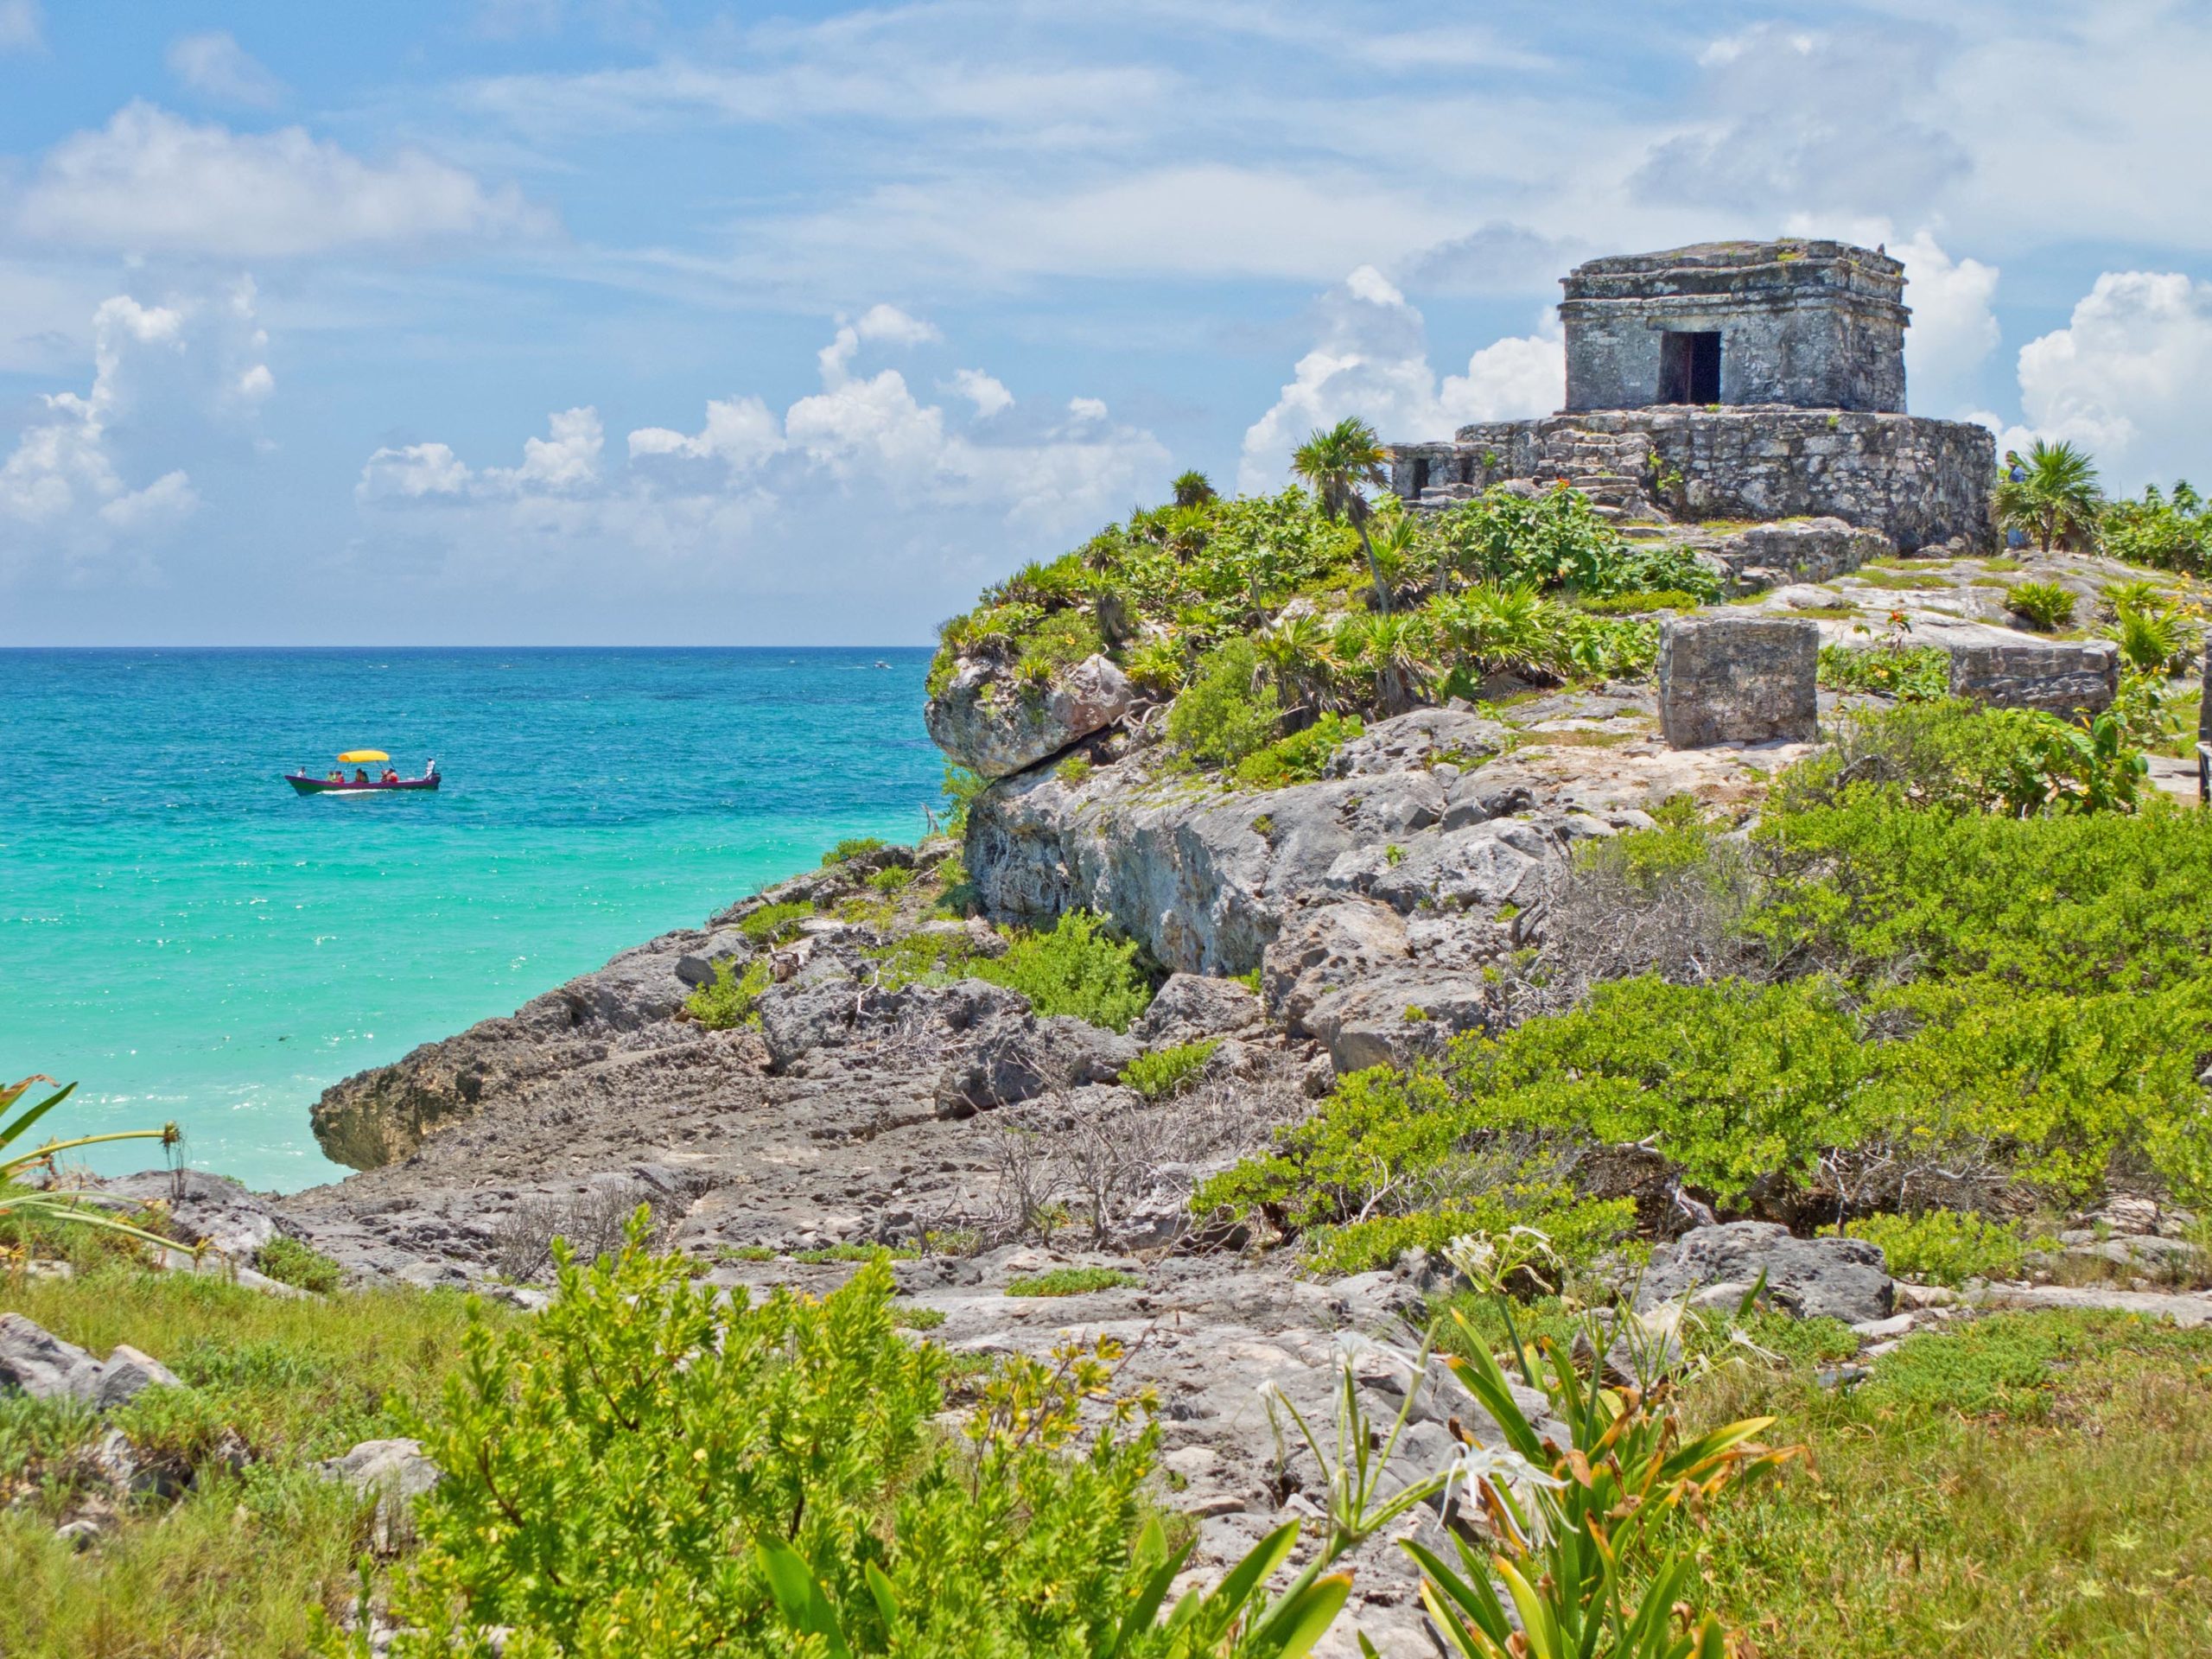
[2058, 500]
[1394, 534]
[1194, 489]
[1337, 463]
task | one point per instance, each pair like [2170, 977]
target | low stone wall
[1919, 482]
[2011, 671]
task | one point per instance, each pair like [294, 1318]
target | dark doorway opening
[1689, 368]
[1421, 478]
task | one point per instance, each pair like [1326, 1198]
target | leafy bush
[1166, 1072]
[2166, 532]
[1944, 1247]
[774, 924]
[289, 1262]
[962, 786]
[851, 848]
[1638, 601]
[1557, 540]
[1072, 1281]
[893, 878]
[2152, 641]
[1075, 969]
[1073, 770]
[730, 999]
[646, 1470]
[1578, 1229]
[1920, 673]
[1227, 712]
[1301, 758]
[2043, 605]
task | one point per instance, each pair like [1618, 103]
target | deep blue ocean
[189, 939]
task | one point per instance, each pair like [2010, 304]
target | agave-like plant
[1492, 628]
[1300, 658]
[32, 1205]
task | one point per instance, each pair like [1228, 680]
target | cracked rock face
[988, 724]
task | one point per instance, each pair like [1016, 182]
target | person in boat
[429, 768]
[360, 774]
[337, 775]
[390, 776]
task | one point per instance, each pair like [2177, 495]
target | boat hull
[307, 785]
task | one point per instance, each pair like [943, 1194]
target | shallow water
[190, 940]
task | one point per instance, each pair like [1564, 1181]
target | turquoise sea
[190, 940]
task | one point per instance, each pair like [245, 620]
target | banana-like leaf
[791, 1582]
[1707, 1447]
[886, 1599]
[1146, 1608]
[1467, 1641]
[1539, 1628]
[1305, 1618]
[1471, 1593]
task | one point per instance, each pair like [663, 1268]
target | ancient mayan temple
[1734, 381]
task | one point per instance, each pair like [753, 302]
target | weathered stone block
[2012, 671]
[1737, 679]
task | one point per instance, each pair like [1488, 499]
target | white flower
[1507, 1469]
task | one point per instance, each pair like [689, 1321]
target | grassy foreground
[2027, 1483]
[234, 1566]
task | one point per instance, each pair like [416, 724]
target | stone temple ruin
[1738, 381]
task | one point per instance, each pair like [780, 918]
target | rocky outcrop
[1762, 557]
[988, 723]
[1836, 1278]
[1024, 1058]
[34, 1362]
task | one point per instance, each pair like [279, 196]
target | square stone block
[2017, 670]
[1737, 679]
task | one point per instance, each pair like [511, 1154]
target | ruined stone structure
[1811, 325]
[1734, 381]
[1737, 679]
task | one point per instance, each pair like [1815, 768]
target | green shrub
[645, 1469]
[774, 924]
[1578, 1229]
[1944, 1247]
[2166, 532]
[934, 956]
[1919, 672]
[893, 878]
[730, 999]
[1638, 602]
[909, 1317]
[1227, 712]
[1072, 1281]
[1073, 770]
[2043, 605]
[851, 848]
[838, 1252]
[1166, 1072]
[962, 786]
[1075, 969]
[291, 1262]
[1301, 758]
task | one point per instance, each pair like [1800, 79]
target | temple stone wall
[1919, 482]
[1813, 324]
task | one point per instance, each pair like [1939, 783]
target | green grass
[1072, 1281]
[1167, 1072]
[774, 924]
[1900, 581]
[234, 1566]
[851, 848]
[832, 1253]
[1838, 613]
[290, 1262]
[2032, 1484]
[907, 1317]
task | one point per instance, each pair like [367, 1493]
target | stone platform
[1921, 483]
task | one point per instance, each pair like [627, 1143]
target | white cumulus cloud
[987, 393]
[2130, 376]
[216, 65]
[150, 182]
[740, 432]
[886, 324]
[22, 28]
[1372, 361]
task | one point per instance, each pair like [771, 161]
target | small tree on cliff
[2058, 501]
[1337, 463]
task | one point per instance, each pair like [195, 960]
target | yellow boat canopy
[361, 756]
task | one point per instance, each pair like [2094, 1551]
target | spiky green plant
[21, 1204]
[2057, 503]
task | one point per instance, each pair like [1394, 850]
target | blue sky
[551, 320]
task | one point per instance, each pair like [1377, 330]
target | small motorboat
[383, 781]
